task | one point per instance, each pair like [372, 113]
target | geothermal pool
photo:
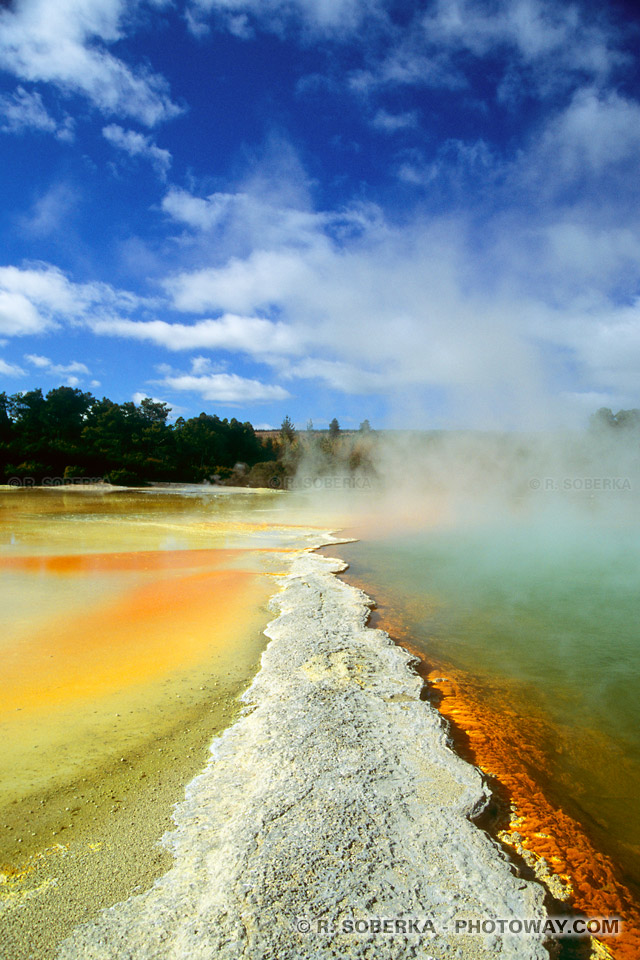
[132, 621]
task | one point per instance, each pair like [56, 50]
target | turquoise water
[546, 618]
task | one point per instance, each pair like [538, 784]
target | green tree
[27, 411]
[154, 411]
[334, 428]
[624, 419]
[65, 413]
[287, 430]
[6, 427]
[628, 419]
[70, 433]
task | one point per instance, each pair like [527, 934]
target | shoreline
[533, 828]
[336, 790]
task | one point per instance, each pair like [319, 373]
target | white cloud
[201, 365]
[66, 43]
[43, 285]
[335, 18]
[138, 145]
[392, 122]
[201, 213]
[549, 37]
[57, 369]
[51, 212]
[595, 133]
[371, 308]
[18, 316]
[607, 344]
[536, 48]
[455, 164]
[33, 299]
[10, 369]
[139, 396]
[21, 111]
[38, 361]
[247, 286]
[250, 217]
[381, 311]
[225, 388]
[251, 335]
[40, 297]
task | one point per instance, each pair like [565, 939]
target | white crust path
[336, 796]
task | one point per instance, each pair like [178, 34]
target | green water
[546, 618]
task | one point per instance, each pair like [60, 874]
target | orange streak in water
[131, 560]
[148, 632]
[502, 750]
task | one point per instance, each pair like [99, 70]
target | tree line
[69, 434]
[623, 420]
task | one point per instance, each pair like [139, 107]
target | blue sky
[422, 213]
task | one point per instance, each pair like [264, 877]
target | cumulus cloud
[18, 315]
[254, 336]
[66, 44]
[251, 285]
[138, 145]
[224, 387]
[41, 297]
[379, 312]
[32, 298]
[10, 369]
[244, 219]
[597, 132]
[57, 369]
[485, 305]
[23, 110]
